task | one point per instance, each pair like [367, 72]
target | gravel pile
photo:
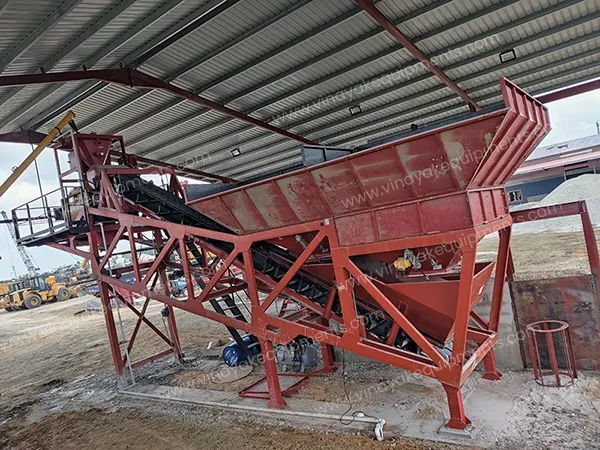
[584, 187]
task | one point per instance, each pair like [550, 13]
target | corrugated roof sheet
[298, 64]
[565, 148]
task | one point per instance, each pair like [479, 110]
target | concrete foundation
[508, 349]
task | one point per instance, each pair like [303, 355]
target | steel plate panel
[382, 177]
[424, 161]
[304, 197]
[216, 210]
[398, 222]
[446, 213]
[244, 211]
[355, 229]
[465, 147]
[340, 188]
[272, 205]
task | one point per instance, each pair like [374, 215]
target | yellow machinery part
[402, 264]
[35, 153]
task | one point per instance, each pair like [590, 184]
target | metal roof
[566, 148]
[297, 64]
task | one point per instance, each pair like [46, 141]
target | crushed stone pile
[584, 187]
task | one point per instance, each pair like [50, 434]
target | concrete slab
[416, 409]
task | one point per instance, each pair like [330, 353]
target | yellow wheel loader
[33, 292]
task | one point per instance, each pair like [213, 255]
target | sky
[571, 118]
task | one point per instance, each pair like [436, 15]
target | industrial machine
[33, 292]
[23, 252]
[376, 248]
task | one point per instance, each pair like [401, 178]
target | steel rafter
[384, 22]
[570, 91]
[344, 70]
[51, 21]
[202, 60]
[387, 24]
[152, 47]
[174, 103]
[470, 40]
[280, 76]
[4, 6]
[65, 51]
[111, 47]
[468, 78]
[134, 78]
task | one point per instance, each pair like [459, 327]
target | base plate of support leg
[492, 376]
[466, 433]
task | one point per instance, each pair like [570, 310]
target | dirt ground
[59, 392]
[543, 255]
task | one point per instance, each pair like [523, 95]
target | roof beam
[89, 89]
[492, 52]
[350, 14]
[475, 58]
[152, 47]
[64, 9]
[386, 24]
[65, 51]
[570, 91]
[134, 78]
[202, 60]
[3, 6]
[199, 17]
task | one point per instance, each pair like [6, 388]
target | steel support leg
[111, 328]
[329, 365]
[489, 364]
[276, 399]
[173, 334]
[591, 245]
[458, 419]
[502, 263]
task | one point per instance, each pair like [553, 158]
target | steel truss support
[348, 297]
[472, 344]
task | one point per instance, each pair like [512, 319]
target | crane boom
[23, 252]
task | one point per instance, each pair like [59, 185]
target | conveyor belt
[268, 258]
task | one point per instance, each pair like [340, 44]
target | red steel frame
[269, 329]
[134, 78]
[471, 207]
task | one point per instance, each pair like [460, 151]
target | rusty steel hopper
[445, 179]
[449, 178]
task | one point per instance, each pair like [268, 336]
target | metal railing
[63, 209]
